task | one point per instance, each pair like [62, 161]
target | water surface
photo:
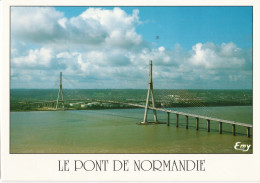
[116, 131]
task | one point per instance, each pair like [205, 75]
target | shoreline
[90, 109]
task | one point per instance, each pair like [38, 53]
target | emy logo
[242, 147]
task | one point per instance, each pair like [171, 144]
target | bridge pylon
[150, 90]
[60, 93]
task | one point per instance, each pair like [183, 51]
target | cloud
[94, 26]
[211, 56]
[118, 25]
[36, 24]
[100, 48]
[35, 58]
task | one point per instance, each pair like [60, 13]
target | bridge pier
[177, 120]
[197, 123]
[248, 131]
[220, 127]
[233, 129]
[187, 122]
[168, 119]
[208, 119]
[208, 125]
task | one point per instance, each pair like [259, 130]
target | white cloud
[41, 57]
[161, 49]
[35, 24]
[103, 46]
[63, 22]
[118, 25]
[212, 56]
[95, 26]
[111, 19]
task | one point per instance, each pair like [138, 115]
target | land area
[87, 99]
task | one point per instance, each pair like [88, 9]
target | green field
[21, 99]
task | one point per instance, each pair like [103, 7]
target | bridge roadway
[181, 113]
[233, 123]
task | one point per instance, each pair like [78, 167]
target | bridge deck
[164, 110]
[187, 114]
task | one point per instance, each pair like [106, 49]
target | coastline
[130, 107]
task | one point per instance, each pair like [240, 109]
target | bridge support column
[177, 120]
[248, 131]
[197, 123]
[150, 90]
[187, 122]
[168, 119]
[220, 127]
[60, 92]
[233, 129]
[208, 125]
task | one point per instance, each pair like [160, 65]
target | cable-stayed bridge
[59, 105]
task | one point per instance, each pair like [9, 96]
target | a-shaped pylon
[60, 93]
[150, 90]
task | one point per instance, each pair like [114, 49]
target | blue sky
[110, 47]
[194, 24]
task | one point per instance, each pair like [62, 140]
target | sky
[110, 47]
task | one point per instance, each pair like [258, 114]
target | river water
[117, 131]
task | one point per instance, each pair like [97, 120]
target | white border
[44, 167]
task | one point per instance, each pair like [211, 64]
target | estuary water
[117, 131]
